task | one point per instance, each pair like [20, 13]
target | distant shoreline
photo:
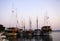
[55, 30]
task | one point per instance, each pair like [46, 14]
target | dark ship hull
[37, 32]
[46, 30]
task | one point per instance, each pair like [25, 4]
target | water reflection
[20, 39]
[36, 38]
[46, 38]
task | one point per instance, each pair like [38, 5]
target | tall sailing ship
[46, 29]
[29, 33]
[37, 31]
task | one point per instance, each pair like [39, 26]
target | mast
[16, 18]
[22, 22]
[46, 17]
[37, 21]
[24, 25]
[12, 13]
[13, 7]
[30, 22]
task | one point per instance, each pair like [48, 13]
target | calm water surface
[55, 36]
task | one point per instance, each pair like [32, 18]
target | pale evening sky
[30, 8]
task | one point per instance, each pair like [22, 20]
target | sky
[30, 8]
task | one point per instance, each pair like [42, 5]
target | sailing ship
[29, 33]
[11, 32]
[46, 29]
[37, 31]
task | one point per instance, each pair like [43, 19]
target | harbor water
[54, 36]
